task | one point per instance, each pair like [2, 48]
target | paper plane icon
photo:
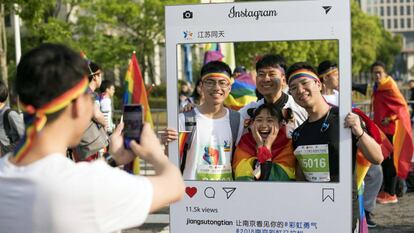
[327, 9]
[229, 191]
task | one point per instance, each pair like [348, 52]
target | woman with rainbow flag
[265, 153]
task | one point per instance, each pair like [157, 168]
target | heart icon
[191, 191]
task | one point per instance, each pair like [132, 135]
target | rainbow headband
[218, 75]
[328, 72]
[302, 73]
[36, 118]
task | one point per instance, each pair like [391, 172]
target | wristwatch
[111, 161]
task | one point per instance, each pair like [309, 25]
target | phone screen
[132, 118]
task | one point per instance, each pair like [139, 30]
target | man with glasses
[214, 129]
[270, 81]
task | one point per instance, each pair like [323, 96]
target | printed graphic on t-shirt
[314, 161]
[213, 165]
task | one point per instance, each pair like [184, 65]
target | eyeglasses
[211, 83]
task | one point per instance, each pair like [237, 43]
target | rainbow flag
[182, 139]
[242, 92]
[283, 161]
[135, 93]
[212, 53]
[362, 164]
[389, 102]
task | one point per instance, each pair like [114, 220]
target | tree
[311, 51]
[111, 29]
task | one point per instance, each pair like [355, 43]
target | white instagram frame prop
[240, 207]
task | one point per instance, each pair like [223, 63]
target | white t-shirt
[332, 99]
[106, 108]
[299, 113]
[55, 194]
[209, 157]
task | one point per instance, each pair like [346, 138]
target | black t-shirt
[312, 133]
[322, 131]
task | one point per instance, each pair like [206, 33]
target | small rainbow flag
[135, 93]
[182, 138]
[242, 92]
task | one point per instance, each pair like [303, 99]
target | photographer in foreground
[42, 190]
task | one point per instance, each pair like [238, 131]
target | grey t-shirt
[16, 126]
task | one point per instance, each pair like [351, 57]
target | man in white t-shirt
[107, 89]
[42, 190]
[211, 143]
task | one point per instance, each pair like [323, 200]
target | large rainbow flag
[135, 93]
[242, 92]
[389, 102]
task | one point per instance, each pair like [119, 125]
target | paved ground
[395, 218]
[392, 218]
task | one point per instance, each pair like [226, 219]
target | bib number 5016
[314, 163]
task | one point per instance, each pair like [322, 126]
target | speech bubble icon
[209, 192]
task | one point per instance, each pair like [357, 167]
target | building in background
[397, 16]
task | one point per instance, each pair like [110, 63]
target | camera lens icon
[188, 15]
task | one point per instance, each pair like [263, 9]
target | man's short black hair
[92, 69]
[271, 60]
[105, 85]
[47, 72]
[298, 66]
[325, 66]
[379, 63]
[215, 67]
[4, 92]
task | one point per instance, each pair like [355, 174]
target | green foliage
[109, 30]
[112, 29]
[294, 51]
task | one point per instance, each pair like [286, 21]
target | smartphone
[133, 118]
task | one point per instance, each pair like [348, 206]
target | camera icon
[187, 15]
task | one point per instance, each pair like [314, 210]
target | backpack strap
[190, 120]
[6, 124]
[234, 125]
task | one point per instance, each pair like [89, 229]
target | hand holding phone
[133, 121]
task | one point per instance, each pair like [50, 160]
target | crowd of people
[295, 120]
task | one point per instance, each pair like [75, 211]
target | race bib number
[314, 161]
[214, 172]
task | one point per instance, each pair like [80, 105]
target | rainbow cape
[135, 93]
[387, 101]
[283, 162]
[242, 92]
